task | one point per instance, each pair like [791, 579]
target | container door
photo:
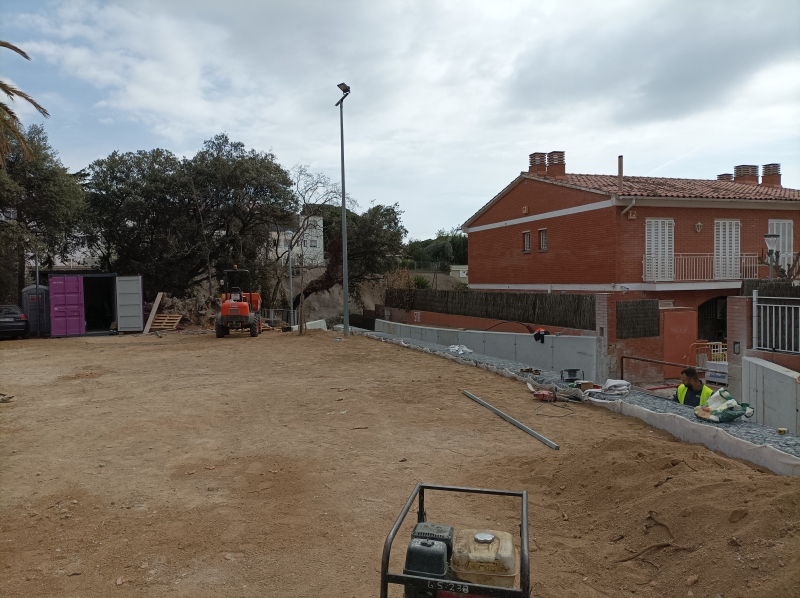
[74, 305]
[58, 306]
[130, 316]
[66, 306]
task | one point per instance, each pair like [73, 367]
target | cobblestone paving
[740, 428]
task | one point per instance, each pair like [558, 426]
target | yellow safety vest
[705, 393]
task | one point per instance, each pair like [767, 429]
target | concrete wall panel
[533, 353]
[575, 352]
[448, 337]
[501, 344]
[773, 392]
[472, 340]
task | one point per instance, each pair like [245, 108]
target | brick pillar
[601, 331]
[740, 330]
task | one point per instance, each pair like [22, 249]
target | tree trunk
[21, 274]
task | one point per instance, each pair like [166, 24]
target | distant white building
[306, 239]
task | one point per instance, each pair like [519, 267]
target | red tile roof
[644, 186]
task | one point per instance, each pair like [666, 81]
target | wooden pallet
[165, 322]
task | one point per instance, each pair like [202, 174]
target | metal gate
[776, 323]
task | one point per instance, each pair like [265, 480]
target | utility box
[37, 308]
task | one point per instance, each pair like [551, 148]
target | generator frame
[429, 583]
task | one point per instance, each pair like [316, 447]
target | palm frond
[14, 48]
[12, 91]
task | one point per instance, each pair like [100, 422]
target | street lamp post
[346, 307]
[772, 242]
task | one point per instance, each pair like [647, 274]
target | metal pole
[346, 306]
[291, 288]
[512, 421]
[770, 265]
[38, 324]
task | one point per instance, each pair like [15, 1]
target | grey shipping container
[37, 308]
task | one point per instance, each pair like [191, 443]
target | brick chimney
[556, 166]
[746, 174]
[771, 175]
[725, 177]
[538, 164]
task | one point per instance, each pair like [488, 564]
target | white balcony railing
[687, 267]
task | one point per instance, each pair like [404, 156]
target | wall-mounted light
[698, 227]
[737, 347]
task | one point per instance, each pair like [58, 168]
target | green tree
[374, 247]
[42, 203]
[142, 219]
[181, 222]
[11, 132]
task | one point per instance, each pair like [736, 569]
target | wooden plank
[152, 313]
[166, 321]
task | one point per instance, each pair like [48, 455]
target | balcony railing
[688, 267]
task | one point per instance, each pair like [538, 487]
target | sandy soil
[194, 466]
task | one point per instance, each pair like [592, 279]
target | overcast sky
[448, 99]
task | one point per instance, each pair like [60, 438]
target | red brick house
[688, 241]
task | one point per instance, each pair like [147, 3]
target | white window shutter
[784, 228]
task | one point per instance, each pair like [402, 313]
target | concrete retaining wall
[557, 352]
[773, 391]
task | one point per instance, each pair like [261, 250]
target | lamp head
[772, 241]
[344, 87]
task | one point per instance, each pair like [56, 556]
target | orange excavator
[239, 310]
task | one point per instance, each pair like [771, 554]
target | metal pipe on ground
[512, 421]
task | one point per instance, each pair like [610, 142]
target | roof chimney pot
[771, 175]
[538, 164]
[725, 177]
[619, 175]
[556, 165]
[746, 173]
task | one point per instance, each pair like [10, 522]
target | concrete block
[501, 344]
[429, 335]
[472, 340]
[447, 337]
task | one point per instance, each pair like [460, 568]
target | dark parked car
[13, 322]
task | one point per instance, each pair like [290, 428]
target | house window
[659, 248]
[526, 241]
[785, 247]
[727, 260]
[313, 243]
[542, 239]
[305, 243]
[462, 273]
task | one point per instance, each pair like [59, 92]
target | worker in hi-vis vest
[692, 392]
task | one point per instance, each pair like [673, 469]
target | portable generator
[442, 562]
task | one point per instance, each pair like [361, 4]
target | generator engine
[485, 557]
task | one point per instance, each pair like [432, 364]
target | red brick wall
[600, 246]
[581, 249]
[786, 360]
[430, 318]
[540, 197]
[754, 225]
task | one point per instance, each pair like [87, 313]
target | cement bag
[720, 407]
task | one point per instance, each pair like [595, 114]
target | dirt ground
[194, 466]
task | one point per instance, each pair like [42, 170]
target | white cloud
[448, 97]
